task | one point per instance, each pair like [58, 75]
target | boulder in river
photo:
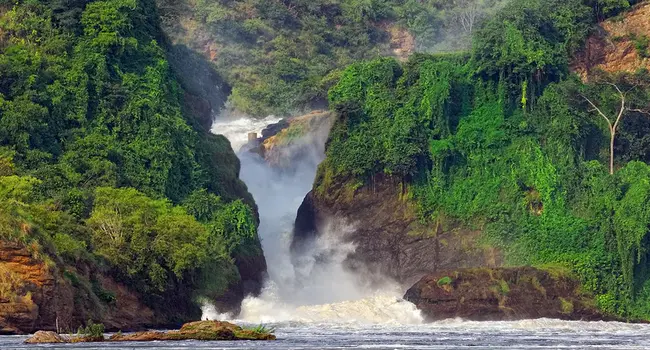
[45, 337]
[200, 330]
[295, 140]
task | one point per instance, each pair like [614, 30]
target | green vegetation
[642, 45]
[92, 331]
[566, 306]
[261, 329]
[504, 140]
[105, 170]
[102, 167]
[503, 288]
[283, 55]
[444, 281]
[280, 56]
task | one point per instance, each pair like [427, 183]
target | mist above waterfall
[315, 286]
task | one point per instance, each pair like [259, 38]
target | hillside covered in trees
[282, 56]
[107, 175]
[504, 141]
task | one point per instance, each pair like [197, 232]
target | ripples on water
[451, 334]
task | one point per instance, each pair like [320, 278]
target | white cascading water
[319, 289]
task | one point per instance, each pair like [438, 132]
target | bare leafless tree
[469, 16]
[613, 121]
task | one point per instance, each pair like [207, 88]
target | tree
[467, 14]
[614, 120]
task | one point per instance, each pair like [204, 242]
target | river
[533, 334]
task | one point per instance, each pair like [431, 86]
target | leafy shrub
[642, 45]
[444, 281]
[103, 294]
[92, 330]
[69, 247]
[261, 329]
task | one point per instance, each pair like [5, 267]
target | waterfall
[315, 287]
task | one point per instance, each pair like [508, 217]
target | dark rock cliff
[388, 236]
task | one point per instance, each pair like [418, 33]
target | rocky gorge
[477, 190]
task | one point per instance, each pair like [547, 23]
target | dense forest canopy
[101, 164]
[504, 139]
[281, 56]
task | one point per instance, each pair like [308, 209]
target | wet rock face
[389, 239]
[252, 269]
[501, 294]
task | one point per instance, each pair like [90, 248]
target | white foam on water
[382, 308]
[236, 128]
[210, 312]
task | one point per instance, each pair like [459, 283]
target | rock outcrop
[402, 42]
[201, 330]
[31, 296]
[38, 294]
[45, 337]
[389, 239]
[252, 271]
[501, 294]
[616, 46]
[35, 294]
[295, 141]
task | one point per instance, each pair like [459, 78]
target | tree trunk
[611, 153]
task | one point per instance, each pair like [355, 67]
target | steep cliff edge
[29, 295]
[36, 294]
[389, 238]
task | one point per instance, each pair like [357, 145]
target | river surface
[452, 334]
